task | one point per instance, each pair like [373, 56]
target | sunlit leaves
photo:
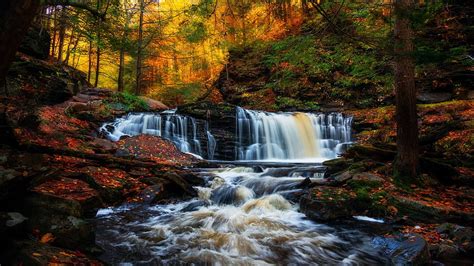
[194, 32]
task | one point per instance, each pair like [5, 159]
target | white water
[291, 136]
[260, 136]
[240, 218]
[181, 130]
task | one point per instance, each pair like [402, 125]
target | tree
[138, 84]
[15, 19]
[406, 163]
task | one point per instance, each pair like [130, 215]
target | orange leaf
[47, 238]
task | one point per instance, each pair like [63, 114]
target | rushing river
[242, 217]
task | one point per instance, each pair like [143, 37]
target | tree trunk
[97, 62]
[406, 163]
[138, 84]
[74, 50]
[97, 66]
[89, 70]
[68, 49]
[15, 19]
[62, 32]
[53, 36]
[120, 84]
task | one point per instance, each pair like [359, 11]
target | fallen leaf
[47, 238]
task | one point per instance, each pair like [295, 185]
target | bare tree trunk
[138, 81]
[406, 163]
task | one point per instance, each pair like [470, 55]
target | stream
[242, 217]
[247, 211]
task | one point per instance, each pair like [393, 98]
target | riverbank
[57, 170]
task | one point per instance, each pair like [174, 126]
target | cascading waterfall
[290, 136]
[259, 135]
[181, 130]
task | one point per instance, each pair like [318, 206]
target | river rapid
[247, 211]
[244, 215]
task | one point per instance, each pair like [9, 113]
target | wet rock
[68, 231]
[328, 203]
[166, 186]
[342, 177]
[336, 165]
[64, 196]
[220, 119]
[194, 206]
[305, 183]
[191, 178]
[444, 251]
[433, 97]
[410, 249]
[182, 186]
[109, 183]
[153, 194]
[463, 236]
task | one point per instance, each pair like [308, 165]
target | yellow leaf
[36, 254]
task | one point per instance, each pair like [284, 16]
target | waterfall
[290, 136]
[181, 130]
[258, 135]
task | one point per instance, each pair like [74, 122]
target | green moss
[362, 184]
[127, 102]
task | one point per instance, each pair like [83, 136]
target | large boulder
[64, 196]
[409, 249]
[36, 43]
[328, 203]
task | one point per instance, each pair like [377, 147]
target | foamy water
[240, 218]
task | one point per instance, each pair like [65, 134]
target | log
[103, 158]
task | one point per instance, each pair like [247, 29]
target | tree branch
[77, 4]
